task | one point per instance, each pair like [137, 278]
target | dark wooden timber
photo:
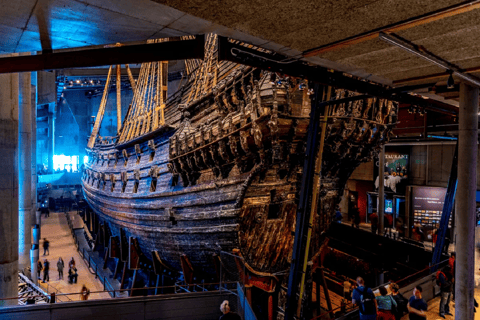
[78, 58]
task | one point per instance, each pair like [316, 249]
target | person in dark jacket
[46, 247]
[446, 283]
[356, 217]
[400, 300]
[227, 313]
[46, 269]
[39, 269]
[374, 222]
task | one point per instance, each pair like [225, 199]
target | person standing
[356, 217]
[374, 222]
[39, 269]
[445, 282]
[46, 246]
[365, 299]
[227, 313]
[386, 305]
[46, 269]
[400, 300]
[60, 266]
[347, 289]
[84, 293]
[416, 305]
[71, 264]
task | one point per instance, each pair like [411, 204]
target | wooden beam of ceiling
[163, 51]
[462, 7]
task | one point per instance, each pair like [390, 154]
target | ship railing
[105, 141]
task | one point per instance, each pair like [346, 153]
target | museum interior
[239, 159]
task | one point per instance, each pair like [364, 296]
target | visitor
[365, 299]
[374, 222]
[387, 306]
[84, 293]
[451, 263]
[60, 266]
[338, 215]
[46, 247]
[347, 289]
[227, 313]
[46, 269]
[416, 305]
[39, 269]
[356, 217]
[400, 300]
[444, 280]
[71, 264]
[72, 275]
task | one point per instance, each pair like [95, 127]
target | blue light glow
[62, 162]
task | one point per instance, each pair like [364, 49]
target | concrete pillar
[35, 252]
[26, 216]
[8, 188]
[381, 191]
[466, 202]
[34, 140]
[51, 140]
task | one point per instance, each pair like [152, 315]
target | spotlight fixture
[450, 81]
[78, 81]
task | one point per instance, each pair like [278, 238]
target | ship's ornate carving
[227, 164]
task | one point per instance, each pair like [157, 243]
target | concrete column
[26, 216]
[34, 251]
[466, 202]
[8, 188]
[51, 140]
[381, 191]
[34, 140]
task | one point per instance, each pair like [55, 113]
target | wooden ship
[217, 165]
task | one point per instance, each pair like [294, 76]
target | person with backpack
[365, 299]
[416, 305]
[387, 306]
[445, 281]
[400, 300]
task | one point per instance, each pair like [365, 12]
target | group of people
[45, 267]
[388, 307]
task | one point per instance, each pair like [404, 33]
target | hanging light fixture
[450, 81]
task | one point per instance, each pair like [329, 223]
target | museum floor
[55, 229]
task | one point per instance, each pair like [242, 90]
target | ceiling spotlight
[450, 81]
[78, 81]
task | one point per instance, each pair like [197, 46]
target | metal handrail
[176, 286]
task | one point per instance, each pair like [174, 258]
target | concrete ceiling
[286, 26]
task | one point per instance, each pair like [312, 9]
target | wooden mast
[101, 111]
[119, 100]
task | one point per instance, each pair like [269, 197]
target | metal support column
[466, 206]
[381, 191]
[303, 211]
